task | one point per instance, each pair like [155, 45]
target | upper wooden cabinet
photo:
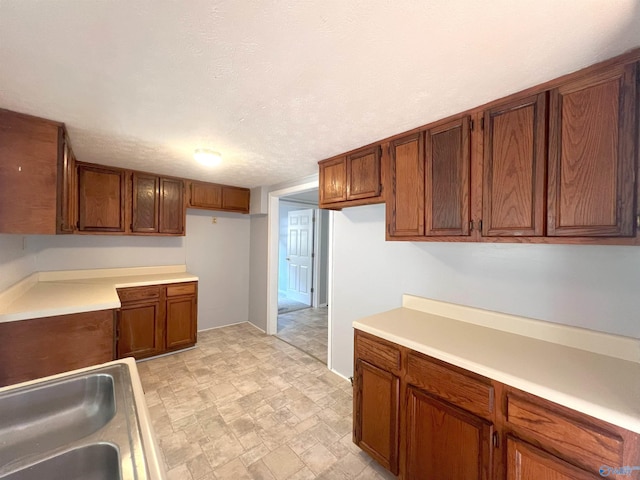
[447, 178]
[36, 176]
[172, 210]
[101, 199]
[211, 196]
[514, 163]
[352, 179]
[157, 204]
[405, 204]
[593, 130]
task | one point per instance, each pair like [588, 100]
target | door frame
[273, 234]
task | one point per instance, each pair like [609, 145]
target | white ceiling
[277, 85]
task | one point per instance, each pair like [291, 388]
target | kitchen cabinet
[447, 179]
[211, 196]
[157, 204]
[514, 161]
[140, 329]
[181, 316]
[405, 205]
[36, 176]
[351, 179]
[101, 198]
[450, 423]
[39, 347]
[377, 402]
[593, 132]
[156, 319]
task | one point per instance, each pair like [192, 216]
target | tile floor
[306, 329]
[245, 405]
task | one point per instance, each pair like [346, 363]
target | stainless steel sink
[99, 461]
[82, 426]
[54, 415]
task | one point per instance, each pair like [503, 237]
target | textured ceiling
[277, 85]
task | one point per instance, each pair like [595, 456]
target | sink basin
[99, 461]
[80, 425]
[54, 414]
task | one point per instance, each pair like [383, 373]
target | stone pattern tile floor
[245, 405]
[306, 329]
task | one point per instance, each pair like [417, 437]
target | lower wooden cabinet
[524, 461]
[424, 419]
[40, 347]
[156, 319]
[377, 414]
[445, 442]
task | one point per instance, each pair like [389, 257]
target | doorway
[298, 268]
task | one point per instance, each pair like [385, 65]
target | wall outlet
[214, 219]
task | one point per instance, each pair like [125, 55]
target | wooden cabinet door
[144, 203]
[526, 462]
[445, 442]
[447, 179]
[377, 410]
[172, 210]
[593, 134]
[235, 199]
[514, 168]
[140, 330]
[205, 195]
[101, 199]
[363, 174]
[405, 202]
[181, 322]
[67, 200]
[333, 181]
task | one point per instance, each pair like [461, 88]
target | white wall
[16, 260]
[218, 253]
[258, 275]
[594, 287]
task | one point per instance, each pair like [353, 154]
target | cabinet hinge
[471, 225]
[471, 125]
[480, 225]
[638, 221]
[482, 123]
[495, 440]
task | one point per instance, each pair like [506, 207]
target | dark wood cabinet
[445, 442]
[526, 462]
[351, 179]
[211, 196]
[36, 176]
[172, 210]
[593, 153]
[514, 160]
[405, 205]
[181, 316]
[449, 423]
[145, 205]
[447, 179]
[235, 199]
[156, 319]
[140, 329]
[377, 411]
[40, 347]
[101, 199]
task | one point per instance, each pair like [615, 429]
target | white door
[300, 255]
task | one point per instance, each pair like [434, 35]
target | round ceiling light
[207, 157]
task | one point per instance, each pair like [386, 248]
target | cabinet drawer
[181, 289]
[473, 394]
[564, 434]
[135, 294]
[377, 352]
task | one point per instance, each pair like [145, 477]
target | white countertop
[599, 385]
[47, 294]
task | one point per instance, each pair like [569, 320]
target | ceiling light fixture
[207, 157]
